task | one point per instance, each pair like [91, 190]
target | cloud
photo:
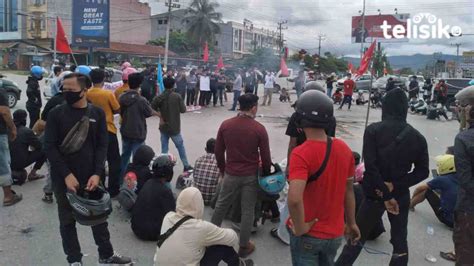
[309, 18]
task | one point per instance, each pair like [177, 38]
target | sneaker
[247, 250]
[116, 259]
[188, 168]
[247, 262]
[75, 264]
[48, 198]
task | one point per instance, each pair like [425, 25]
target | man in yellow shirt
[106, 101]
[125, 73]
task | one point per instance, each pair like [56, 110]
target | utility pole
[321, 37]
[457, 50]
[362, 32]
[280, 35]
[170, 5]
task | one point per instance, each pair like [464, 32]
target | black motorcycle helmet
[313, 85]
[90, 207]
[314, 109]
[163, 166]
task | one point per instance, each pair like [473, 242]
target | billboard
[91, 23]
[373, 30]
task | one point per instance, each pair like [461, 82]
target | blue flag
[159, 78]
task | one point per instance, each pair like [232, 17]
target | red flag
[220, 64]
[365, 62]
[350, 67]
[283, 67]
[62, 45]
[205, 57]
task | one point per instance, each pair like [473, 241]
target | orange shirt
[118, 92]
[105, 100]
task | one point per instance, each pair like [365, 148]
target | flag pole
[370, 95]
[55, 36]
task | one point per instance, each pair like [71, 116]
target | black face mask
[72, 97]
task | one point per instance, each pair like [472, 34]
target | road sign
[173, 5]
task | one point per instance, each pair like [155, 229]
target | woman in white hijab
[196, 242]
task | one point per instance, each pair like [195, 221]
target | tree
[406, 71]
[203, 19]
[380, 62]
[262, 58]
[178, 43]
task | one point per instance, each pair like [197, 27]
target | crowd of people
[76, 134]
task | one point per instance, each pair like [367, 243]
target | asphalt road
[29, 231]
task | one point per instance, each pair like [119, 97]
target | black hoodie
[397, 167]
[33, 93]
[134, 110]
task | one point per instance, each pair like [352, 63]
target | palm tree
[202, 19]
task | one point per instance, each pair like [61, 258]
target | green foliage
[327, 64]
[262, 58]
[406, 71]
[179, 43]
[203, 19]
[378, 62]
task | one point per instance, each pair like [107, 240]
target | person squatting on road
[77, 164]
[241, 143]
[170, 106]
[392, 148]
[25, 150]
[321, 170]
[205, 243]
[154, 200]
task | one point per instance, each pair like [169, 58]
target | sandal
[449, 256]
[16, 198]
[274, 233]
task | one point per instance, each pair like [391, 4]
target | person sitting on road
[154, 200]
[206, 173]
[196, 241]
[140, 167]
[21, 156]
[441, 192]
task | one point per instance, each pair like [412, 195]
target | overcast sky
[332, 18]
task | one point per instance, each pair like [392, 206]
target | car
[362, 82]
[381, 82]
[287, 82]
[12, 90]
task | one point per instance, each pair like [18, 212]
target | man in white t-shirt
[205, 88]
[268, 88]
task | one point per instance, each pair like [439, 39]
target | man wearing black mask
[71, 171]
[392, 148]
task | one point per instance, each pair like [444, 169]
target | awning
[7, 45]
[36, 54]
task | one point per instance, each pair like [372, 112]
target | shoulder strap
[89, 110]
[321, 169]
[163, 237]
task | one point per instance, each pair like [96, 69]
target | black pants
[435, 203]
[463, 237]
[347, 99]
[368, 215]
[218, 253]
[205, 98]
[34, 114]
[146, 92]
[182, 92]
[214, 96]
[255, 89]
[114, 161]
[67, 228]
[37, 157]
[220, 94]
[190, 97]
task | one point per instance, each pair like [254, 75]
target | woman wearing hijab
[196, 242]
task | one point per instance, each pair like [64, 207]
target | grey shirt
[238, 83]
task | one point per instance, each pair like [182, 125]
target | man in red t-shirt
[349, 86]
[317, 207]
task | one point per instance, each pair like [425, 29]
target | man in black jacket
[463, 235]
[20, 153]
[80, 169]
[134, 110]
[154, 200]
[34, 103]
[391, 148]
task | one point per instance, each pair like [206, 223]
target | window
[165, 21]
[8, 15]
[160, 22]
[216, 43]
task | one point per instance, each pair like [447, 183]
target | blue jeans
[129, 147]
[5, 171]
[236, 99]
[299, 92]
[329, 92]
[310, 251]
[178, 142]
